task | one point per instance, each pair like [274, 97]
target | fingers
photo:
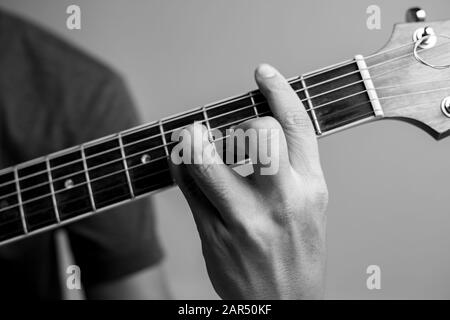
[220, 184]
[290, 112]
[265, 144]
[202, 209]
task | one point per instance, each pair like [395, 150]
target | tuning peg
[445, 106]
[415, 14]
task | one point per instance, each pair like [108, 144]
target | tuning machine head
[426, 36]
[445, 106]
[415, 14]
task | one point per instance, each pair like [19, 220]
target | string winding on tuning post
[418, 44]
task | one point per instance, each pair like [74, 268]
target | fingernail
[266, 71]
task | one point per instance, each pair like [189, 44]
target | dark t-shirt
[52, 96]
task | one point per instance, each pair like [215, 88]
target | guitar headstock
[413, 90]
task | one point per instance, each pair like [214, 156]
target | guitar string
[164, 145]
[164, 157]
[196, 111]
[177, 129]
[87, 197]
[312, 74]
[95, 193]
[211, 118]
[298, 79]
[142, 177]
[167, 144]
[221, 115]
[92, 180]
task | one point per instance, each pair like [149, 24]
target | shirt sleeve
[122, 240]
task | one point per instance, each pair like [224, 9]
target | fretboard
[59, 188]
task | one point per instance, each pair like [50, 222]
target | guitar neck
[74, 183]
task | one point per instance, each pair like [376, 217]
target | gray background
[388, 180]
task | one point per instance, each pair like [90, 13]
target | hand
[263, 236]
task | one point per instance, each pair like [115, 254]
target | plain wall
[388, 181]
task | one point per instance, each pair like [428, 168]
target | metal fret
[125, 164]
[253, 104]
[52, 189]
[19, 198]
[88, 181]
[166, 149]
[210, 137]
[371, 92]
[163, 135]
[311, 107]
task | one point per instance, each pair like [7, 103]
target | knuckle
[296, 119]
[285, 205]
[248, 124]
[289, 207]
[279, 86]
[318, 194]
[269, 123]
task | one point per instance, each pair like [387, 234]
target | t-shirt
[53, 96]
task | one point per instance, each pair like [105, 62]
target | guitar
[408, 79]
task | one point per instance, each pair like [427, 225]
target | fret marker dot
[68, 183]
[145, 158]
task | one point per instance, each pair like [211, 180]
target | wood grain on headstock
[407, 89]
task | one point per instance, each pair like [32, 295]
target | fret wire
[125, 164]
[163, 135]
[205, 115]
[19, 199]
[254, 104]
[88, 180]
[372, 66]
[52, 190]
[311, 106]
